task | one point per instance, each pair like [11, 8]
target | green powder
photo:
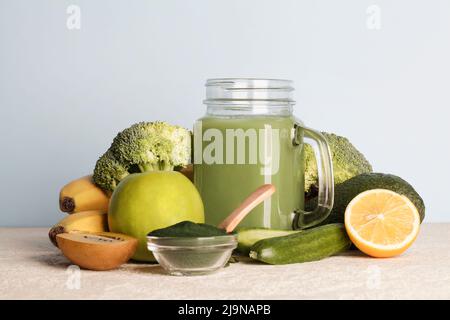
[188, 229]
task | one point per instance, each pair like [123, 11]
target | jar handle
[304, 219]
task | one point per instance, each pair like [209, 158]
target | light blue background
[64, 94]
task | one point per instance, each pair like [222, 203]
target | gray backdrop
[377, 74]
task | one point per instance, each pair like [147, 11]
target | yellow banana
[81, 195]
[86, 221]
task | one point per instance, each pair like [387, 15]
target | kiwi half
[97, 251]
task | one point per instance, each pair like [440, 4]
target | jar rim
[248, 91]
[242, 83]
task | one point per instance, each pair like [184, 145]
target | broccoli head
[347, 163]
[145, 146]
[109, 171]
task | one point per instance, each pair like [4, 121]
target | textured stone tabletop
[31, 268]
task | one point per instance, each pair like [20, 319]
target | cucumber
[247, 237]
[308, 245]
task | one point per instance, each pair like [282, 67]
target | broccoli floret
[181, 139]
[145, 146]
[153, 146]
[347, 163]
[109, 171]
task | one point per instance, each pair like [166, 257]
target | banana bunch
[87, 206]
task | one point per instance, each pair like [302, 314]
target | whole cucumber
[308, 245]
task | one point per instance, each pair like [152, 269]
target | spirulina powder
[188, 229]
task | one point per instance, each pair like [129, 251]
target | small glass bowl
[192, 256]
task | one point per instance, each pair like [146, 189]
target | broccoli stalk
[145, 146]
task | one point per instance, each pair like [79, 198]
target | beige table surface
[31, 268]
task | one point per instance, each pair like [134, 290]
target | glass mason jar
[249, 137]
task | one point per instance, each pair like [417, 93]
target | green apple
[144, 202]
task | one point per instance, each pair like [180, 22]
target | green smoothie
[234, 155]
